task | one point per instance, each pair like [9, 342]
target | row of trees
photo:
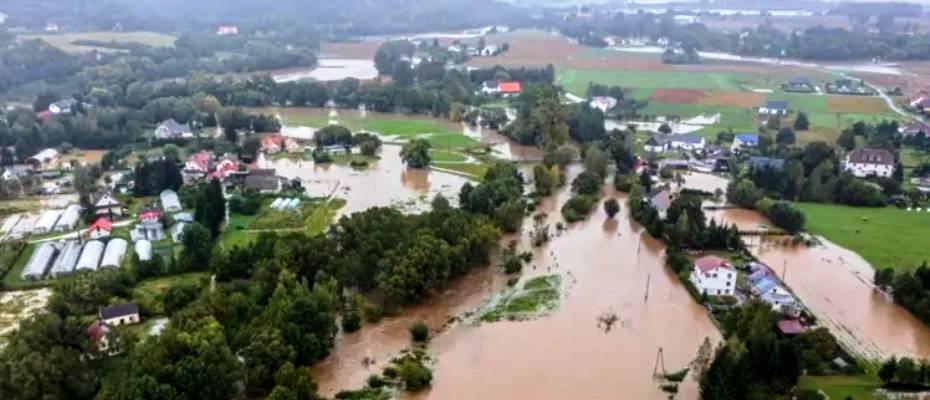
[911, 288]
[815, 43]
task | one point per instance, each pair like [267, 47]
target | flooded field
[564, 355]
[331, 69]
[302, 122]
[835, 284]
[386, 182]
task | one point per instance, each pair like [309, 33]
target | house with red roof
[101, 228]
[506, 88]
[713, 275]
[223, 169]
[277, 143]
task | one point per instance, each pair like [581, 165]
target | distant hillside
[354, 16]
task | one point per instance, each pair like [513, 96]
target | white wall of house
[123, 320]
[863, 170]
[716, 282]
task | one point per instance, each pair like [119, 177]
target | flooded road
[564, 355]
[835, 284]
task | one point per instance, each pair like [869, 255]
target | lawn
[802, 102]
[740, 119]
[576, 80]
[65, 41]
[885, 237]
[838, 387]
[148, 293]
[243, 229]
[468, 170]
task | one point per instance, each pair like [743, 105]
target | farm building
[870, 162]
[774, 107]
[69, 218]
[800, 84]
[169, 201]
[603, 103]
[107, 205]
[24, 227]
[122, 314]
[67, 259]
[171, 129]
[744, 141]
[62, 106]
[144, 250]
[43, 159]
[40, 261]
[263, 181]
[114, 253]
[46, 221]
[90, 256]
[660, 142]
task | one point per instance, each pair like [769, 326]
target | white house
[870, 162]
[774, 107]
[171, 129]
[490, 50]
[61, 106]
[603, 103]
[661, 142]
[226, 30]
[122, 314]
[744, 141]
[714, 276]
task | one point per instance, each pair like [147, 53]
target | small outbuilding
[101, 228]
[122, 314]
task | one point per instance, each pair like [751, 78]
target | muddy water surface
[835, 284]
[386, 182]
[606, 267]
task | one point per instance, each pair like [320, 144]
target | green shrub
[578, 207]
[419, 331]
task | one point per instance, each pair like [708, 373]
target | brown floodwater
[386, 182]
[835, 284]
[606, 267]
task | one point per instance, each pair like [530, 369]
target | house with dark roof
[757, 163]
[687, 142]
[744, 141]
[870, 162]
[171, 129]
[122, 314]
[105, 204]
[714, 276]
[263, 181]
[798, 84]
[774, 107]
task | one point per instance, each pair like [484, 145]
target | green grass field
[740, 119]
[576, 80]
[65, 41]
[885, 237]
[859, 387]
[243, 229]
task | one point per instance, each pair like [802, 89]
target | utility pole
[784, 269]
[646, 298]
[660, 360]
